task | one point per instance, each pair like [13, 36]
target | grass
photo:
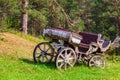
[13, 68]
[16, 63]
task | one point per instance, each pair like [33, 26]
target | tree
[113, 12]
[38, 16]
[9, 14]
[24, 16]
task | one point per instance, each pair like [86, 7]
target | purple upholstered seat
[105, 45]
[88, 38]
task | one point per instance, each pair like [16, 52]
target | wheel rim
[65, 59]
[97, 61]
[43, 52]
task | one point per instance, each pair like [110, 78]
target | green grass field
[16, 63]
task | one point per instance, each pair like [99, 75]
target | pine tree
[24, 16]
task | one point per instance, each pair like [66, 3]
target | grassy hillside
[16, 63]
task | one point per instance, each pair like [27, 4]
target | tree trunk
[24, 23]
[24, 16]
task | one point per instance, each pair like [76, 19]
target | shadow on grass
[50, 65]
[27, 61]
[83, 64]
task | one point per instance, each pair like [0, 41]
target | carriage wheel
[66, 58]
[97, 61]
[43, 52]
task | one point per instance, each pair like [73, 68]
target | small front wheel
[43, 52]
[97, 61]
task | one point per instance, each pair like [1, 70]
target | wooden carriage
[69, 47]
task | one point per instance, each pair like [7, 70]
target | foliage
[9, 13]
[97, 16]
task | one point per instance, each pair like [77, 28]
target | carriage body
[69, 47]
[82, 42]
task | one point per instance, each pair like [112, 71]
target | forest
[22, 23]
[97, 16]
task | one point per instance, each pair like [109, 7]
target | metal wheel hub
[97, 63]
[66, 60]
[43, 53]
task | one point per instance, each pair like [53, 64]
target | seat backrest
[89, 37]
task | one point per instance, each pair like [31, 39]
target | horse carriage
[67, 48]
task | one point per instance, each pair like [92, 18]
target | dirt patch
[16, 45]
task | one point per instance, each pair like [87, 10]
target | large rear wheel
[43, 52]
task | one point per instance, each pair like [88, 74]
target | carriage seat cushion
[105, 45]
[88, 38]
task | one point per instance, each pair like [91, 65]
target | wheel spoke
[65, 53]
[60, 60]
[70, 58]
[92, 64]
[42, 58]
[65, 66]
[46, 58]
[70, 64]
[49, 54]
[94, 59]
[61, 64]
[69, 54]
[45, 47]
[40, 48]
[61, 56]
[39, 56]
